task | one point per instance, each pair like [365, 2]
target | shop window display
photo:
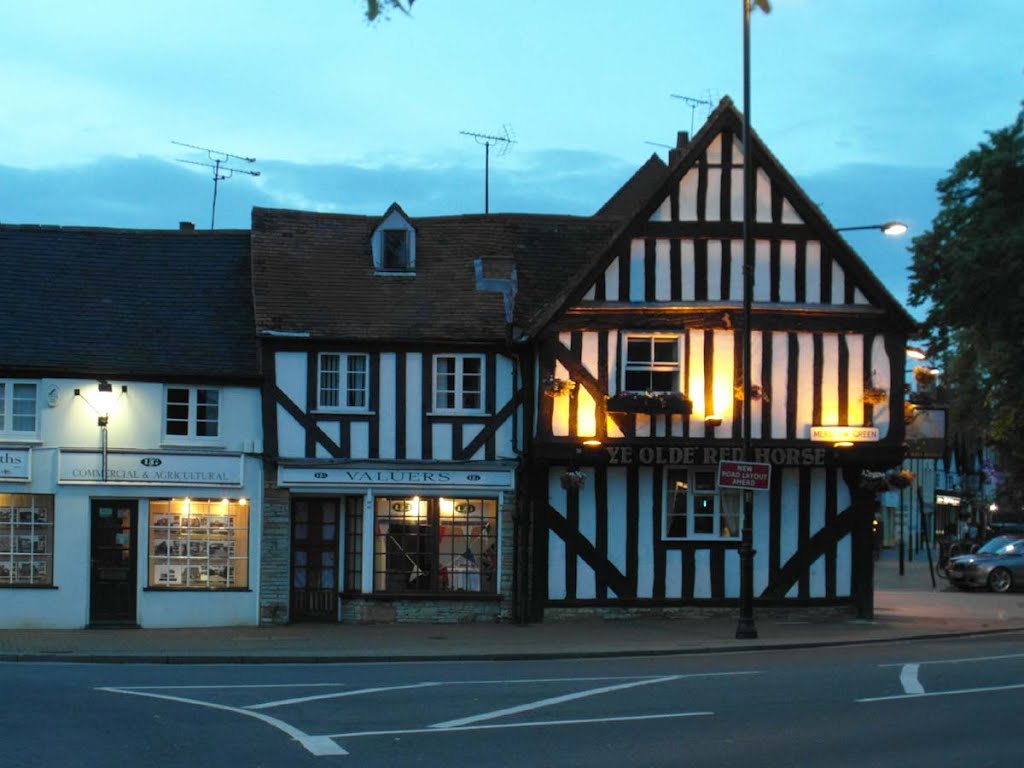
[26, 540]
[198, 544]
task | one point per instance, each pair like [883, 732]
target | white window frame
[394, 220]
[193, 407]
[7, 409]
[343, 390]
[651, 366]
[460, 390]
[694, 496]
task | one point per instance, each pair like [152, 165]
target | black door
[112, 590]
[314, 560]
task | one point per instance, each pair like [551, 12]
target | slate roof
[313, 273]
[118, 303]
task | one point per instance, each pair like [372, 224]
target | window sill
[394, 272]
[389, 597]
[344, 411]
[14, 441]
[193, 590]
[28, 586]
[468, 414]
[193, 445]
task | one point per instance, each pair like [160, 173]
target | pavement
[907, 607]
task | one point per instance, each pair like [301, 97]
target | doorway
[314, 571]
[114, 562]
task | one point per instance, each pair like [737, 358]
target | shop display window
[435, 545]
[198, 544]
[26, 540]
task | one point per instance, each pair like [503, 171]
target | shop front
[393, 543]
[129, 538]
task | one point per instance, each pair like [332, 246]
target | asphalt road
[901, 704]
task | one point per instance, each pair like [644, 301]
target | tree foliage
[379, 9]
[969, 271]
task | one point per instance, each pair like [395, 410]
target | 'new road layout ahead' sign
[744, 474]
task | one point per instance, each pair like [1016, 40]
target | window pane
[729, 526]
[637, 381]
[704, 480]
[23, 405]
[26, 539]
[444, 387]
[198, 544]
[207, 412]
[396, 249]
[666, 350]
[638, 350]
[356, 381]
[177, 411]
[664, 381]
[675, 522]
[329, 380]
[472, 383]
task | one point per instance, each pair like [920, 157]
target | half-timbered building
[394, 408]
[638, 368]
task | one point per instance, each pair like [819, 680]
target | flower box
[573, 478]
[650, 402]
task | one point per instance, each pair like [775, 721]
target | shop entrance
[314, 572]
[112, 587]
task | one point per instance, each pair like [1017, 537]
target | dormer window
[395, 253]
[394, 244]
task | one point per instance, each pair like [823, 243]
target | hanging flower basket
[573, 478]
[757, 392]
[924, 376]
[554, 386]
[650, 402]
[875, 395]
[881, 482]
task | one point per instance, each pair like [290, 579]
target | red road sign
[744, 474]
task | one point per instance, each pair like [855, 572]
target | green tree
[379, 9]
[968, 269]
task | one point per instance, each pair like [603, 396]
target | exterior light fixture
[592, 442]
[102, 401]
[712, 420]
[889, 228]
[916, 353]
[843, 444]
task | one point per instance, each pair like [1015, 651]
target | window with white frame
[199, 543]
[343, 381]
[695, 508]
[192, 412]
[26, 540]
[459, 383]
[651, 363]
[18, 407]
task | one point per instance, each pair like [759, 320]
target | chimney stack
[682, 141]
[186, 226]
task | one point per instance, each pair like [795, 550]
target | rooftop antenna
[505, 142]
[694, 103]
[219, 159]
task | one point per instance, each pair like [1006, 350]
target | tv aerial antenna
[504, 142]
[221, 171]
[693, 104]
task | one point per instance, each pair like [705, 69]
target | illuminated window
[435, 545]
[26, 540]
[696, 509]
[192, 412]
[343, 381]
[651, 364]
[459, 383]
[18, 407]
[198, 544]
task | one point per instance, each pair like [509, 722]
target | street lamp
[889, 228]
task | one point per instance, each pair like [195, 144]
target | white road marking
[336, 695]
[941, 693]
[908, 679]
[224, 687]
[968, 660]
[317, 745]
[534, 724]
[549, 702]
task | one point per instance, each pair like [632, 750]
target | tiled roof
[126, 303]
[637, 190]
[313, 273]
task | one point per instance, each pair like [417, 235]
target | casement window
[26, 540]
[192, 412]
[459, 383]
[198, 544]
[18, 407]
[395, 251]
[343, 381]
[651, 363]
[435, 545]
[696, 509]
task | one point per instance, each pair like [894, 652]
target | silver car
[998, 565]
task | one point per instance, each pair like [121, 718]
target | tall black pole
[487, 177]
[745, 628]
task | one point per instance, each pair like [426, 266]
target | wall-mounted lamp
[712, 420]
[843, 444]
[103, 401]
[916, 353]
[592, 442]
[889, 228]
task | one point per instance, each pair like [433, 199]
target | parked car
[997, 565]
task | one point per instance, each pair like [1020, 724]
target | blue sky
[867, 108]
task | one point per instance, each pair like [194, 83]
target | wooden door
[314, 572]
[112, 587]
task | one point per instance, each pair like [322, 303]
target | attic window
[395, 250]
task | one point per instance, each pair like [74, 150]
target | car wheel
[1000, 580]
